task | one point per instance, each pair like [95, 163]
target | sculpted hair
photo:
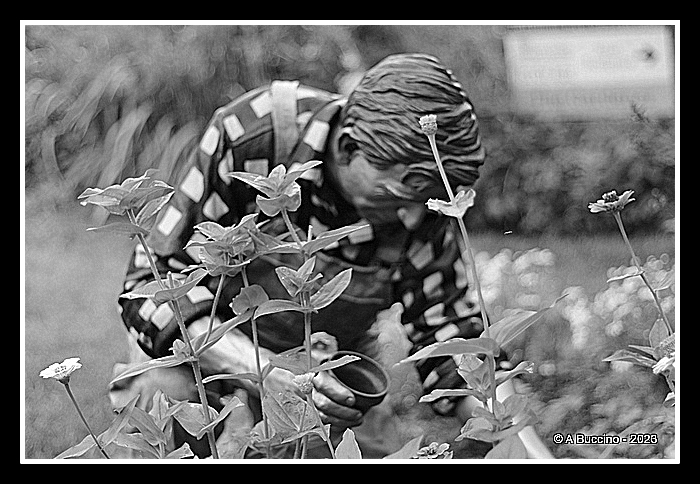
[381, 118]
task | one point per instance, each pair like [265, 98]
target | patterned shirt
[290, 123]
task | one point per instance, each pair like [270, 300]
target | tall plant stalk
[429, 128]
[636, 262]
[305, 302]
[196, 368]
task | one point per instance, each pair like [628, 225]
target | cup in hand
[365, 378]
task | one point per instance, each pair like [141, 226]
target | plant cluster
[225, 252]
[290, 417]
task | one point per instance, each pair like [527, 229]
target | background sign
[585, 72]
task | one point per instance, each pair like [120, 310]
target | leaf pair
[170, 289]
[500, 423]
[296, 360]
[301, 280]
[279, 187]
[226, 249]
[290, 417]
[140, 196]
[200, 343]
[153, 431]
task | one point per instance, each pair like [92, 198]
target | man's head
[384, 155]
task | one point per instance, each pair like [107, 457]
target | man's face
[359, 182]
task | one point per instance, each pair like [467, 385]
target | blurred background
[567, 113]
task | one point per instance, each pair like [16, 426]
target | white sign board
[586, 72]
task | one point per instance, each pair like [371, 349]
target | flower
[434, 451]
[428, 124]
[61, 371]
[611, 202]
[457, 207]
[304, 382]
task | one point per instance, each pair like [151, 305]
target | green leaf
[295, 281]
[658, 333]
[296, 362]
[181, 285]
[348, 447]
[191, 417]
[478, 374]
[146, 215]
[290, 416]
[442, 393]
[325, 239]
[456, 346]
[506, 330]
[645, 349]
[267, 244]
[409, 450]
[233, 403]
[120, 228]
[624, 276]
[219, 331]
[180, 288]
[277, 306]
[477, 428]
[210, 230]
[522, 368]
[118, 423]
[509, 448]
[231, 376]
[181, 452]
[256, 181]
[77, 450]
[140, 196]
[249, 298]
[138, 368]
[631, 357]
[269, 366]
[150, 430]
[289, 201]
[292, 175]
[329, 365]
[513, 405]
[330, 291]
[137, 442]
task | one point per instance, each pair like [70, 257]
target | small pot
[365, 378]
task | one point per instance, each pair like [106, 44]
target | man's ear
[346, 147]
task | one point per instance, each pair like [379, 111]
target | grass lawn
[72, 278]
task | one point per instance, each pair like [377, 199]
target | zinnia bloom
[428, 124]
[61, 371]
[611, 202]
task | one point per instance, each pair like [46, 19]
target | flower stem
[292, 229]
[462, 229]
[196, 369]
[635, 260]
[212, 315]
[82, 417]
[305, 297]
[258, 366]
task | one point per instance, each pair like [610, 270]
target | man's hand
[334, 402]
[233, 440]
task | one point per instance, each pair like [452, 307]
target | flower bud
[304, 382]
[428, 124]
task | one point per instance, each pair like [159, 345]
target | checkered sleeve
[434, 292]
[237, 138]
